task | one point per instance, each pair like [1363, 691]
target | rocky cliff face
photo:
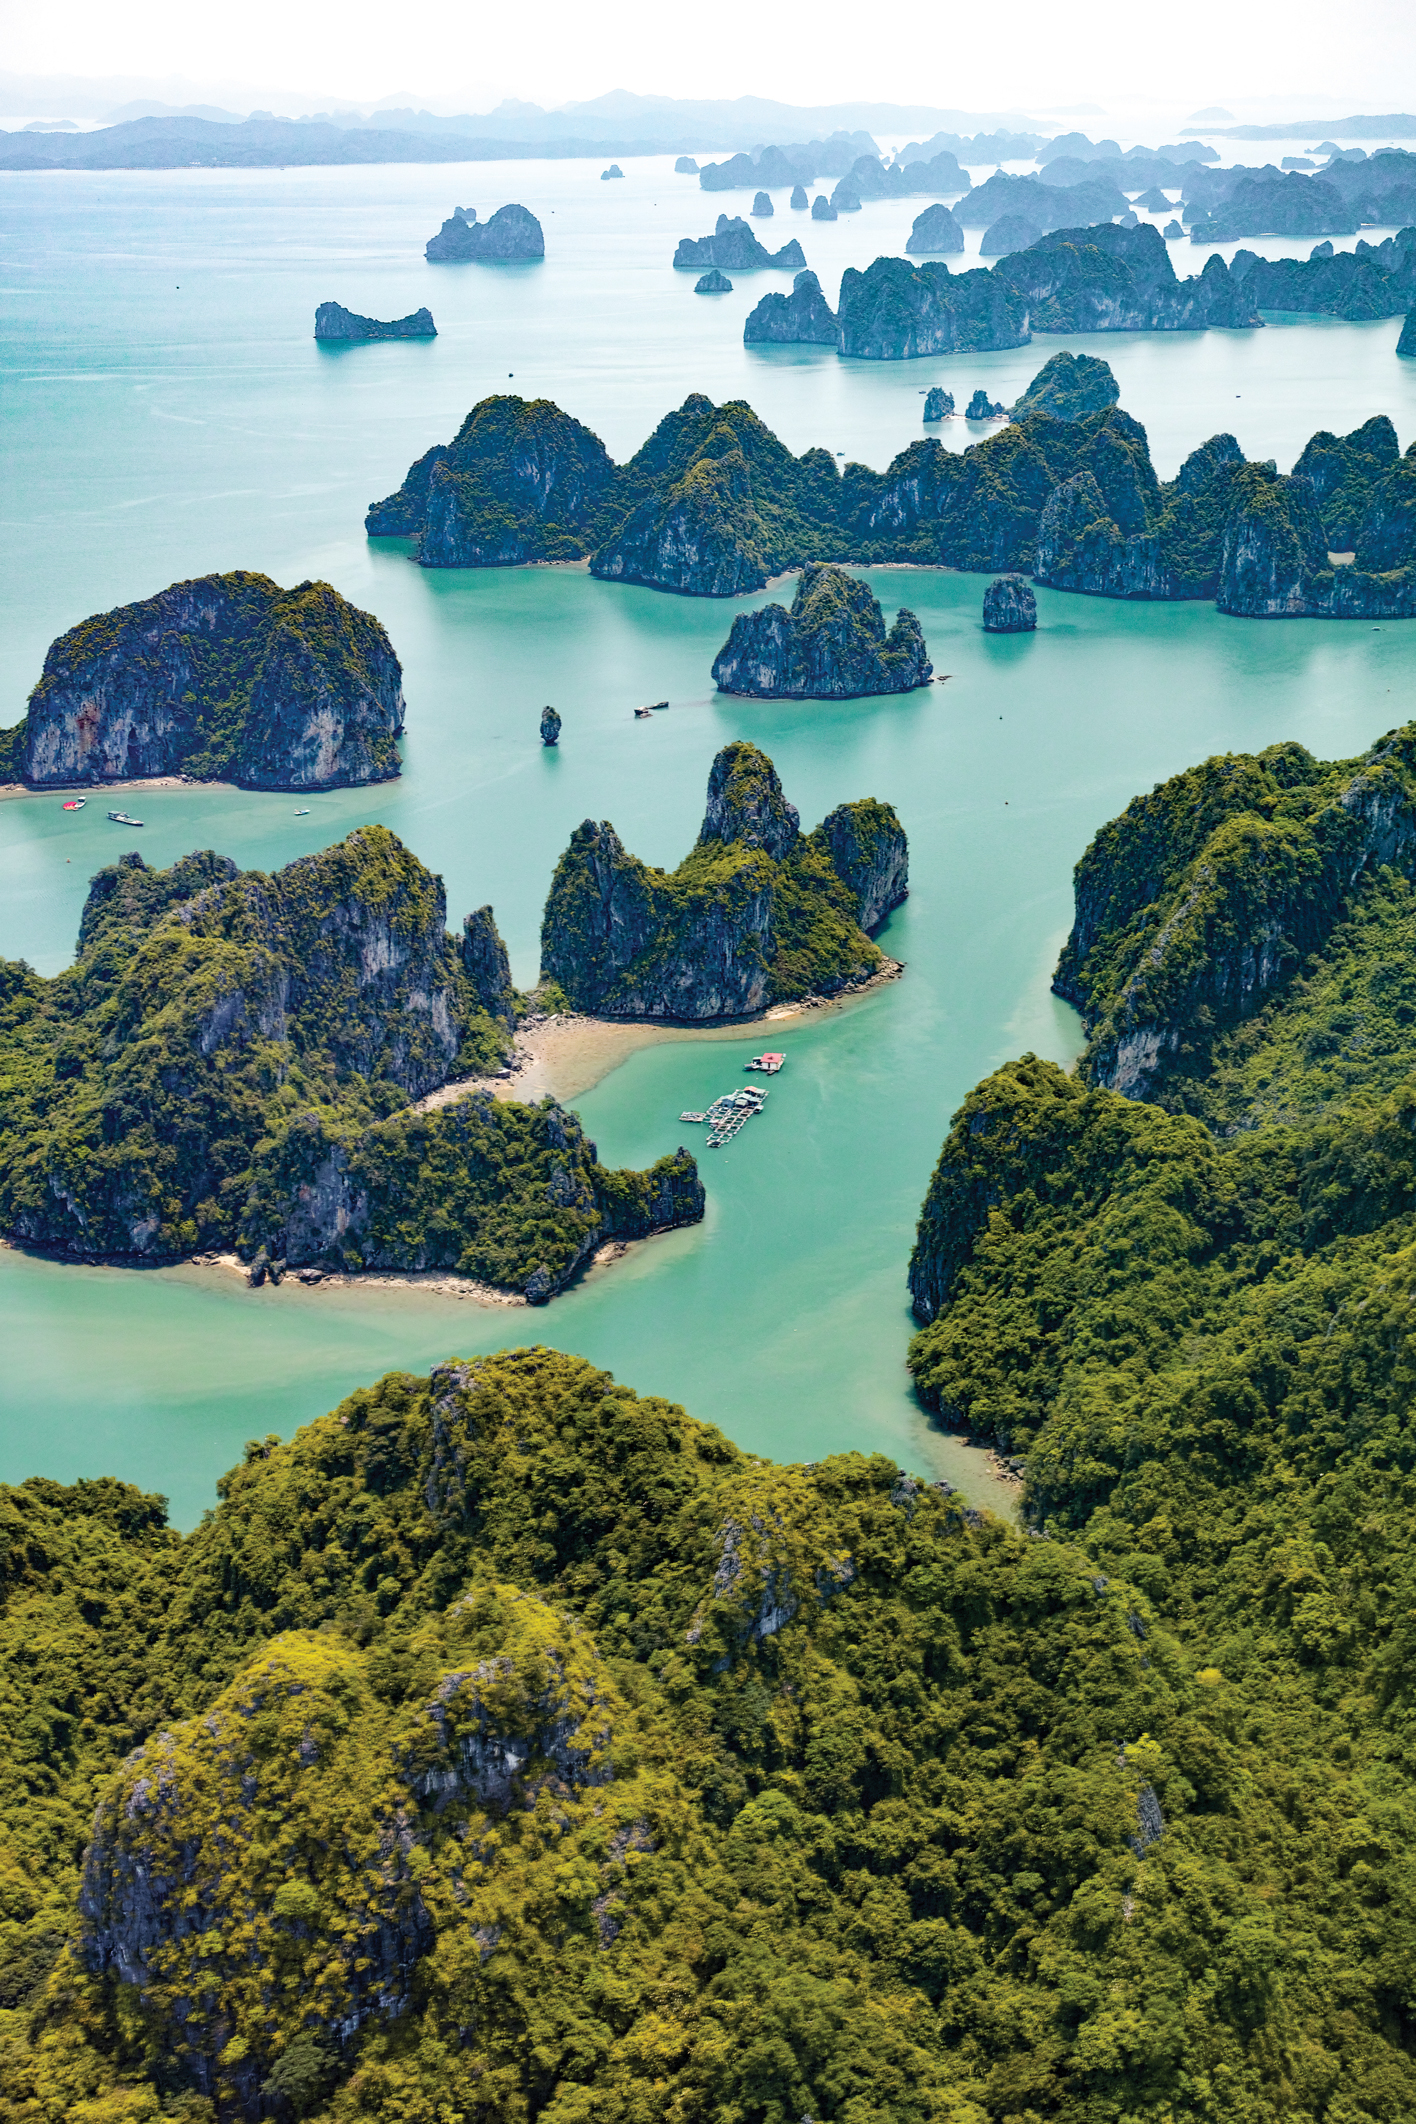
[1069, 386]
[1406, 343]
[734, 247]
[803, 318]
[755, 914]
[895, 311]
[832, 645]
[1009, 606]
[871, 856]
[333, 321]
[1202, 899]
[485, 962]
[935, 231]
[226, 677]
[512, 232]
[1275, 561]
[1112, 279]
[520, 481]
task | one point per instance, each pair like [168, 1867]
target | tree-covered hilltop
[227, 677]
[757, 912]
[714, 504]
[511, 1746]
[237, 1059]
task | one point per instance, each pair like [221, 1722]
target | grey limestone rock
[734, 246]
[713, 282]
[1009, 606]
[485, 961]
[1010, 232]
[799, 199]
[512, 232]
[614, 170]
[1406, 344]
[128, 693]
[896, 310]
[747, 806]
[822, 209]
[1173, 231]
[1131, 220]
[832, 645]
[938, 402]
[333, 321]
[982, 407]
[803, 318]
[935, 231]
[550, 726]
[845, 198]
[870, 854]
[686, 166]
[762, 206]
[1322, 250]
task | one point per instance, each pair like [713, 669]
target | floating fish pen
[768, 1064]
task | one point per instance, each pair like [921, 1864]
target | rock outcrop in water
[822, 209]
[1275, 562]
[803, 318]
[1259, 205]
[758, 913]
[550, 726]
[333, 321]
[279, 1035]
[895, 311]
[686, 166]
[734, 247]
[762, 206]
[938, 403]
[830, 646]
[1069, 386]
[1406, 344]
[512, 232]
[935, 230]
[799, 199]
[982, 407]
[713, 504]
[1110, 279]
[713, 283]
[225, 678]
[1009, 606]
[614, 170]
[517, 483]
[1010, 232]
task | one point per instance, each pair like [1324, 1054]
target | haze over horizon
[1105, 63]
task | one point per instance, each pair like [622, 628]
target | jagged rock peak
[713, 282]
[938, 402]
[745, 802]
[832, 645]
[1009, 606]
[1070, 386]
[550, 726]
[484, 958]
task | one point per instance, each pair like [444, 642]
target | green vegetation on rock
[226, 677]
[236, 1060]
[515, 1747]
[757, 913]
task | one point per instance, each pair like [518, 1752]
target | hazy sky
[1034, 52]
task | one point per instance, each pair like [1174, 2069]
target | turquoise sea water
[166, 412]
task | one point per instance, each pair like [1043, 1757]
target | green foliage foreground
[513, 1747]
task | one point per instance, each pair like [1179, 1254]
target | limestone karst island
[707, 1070]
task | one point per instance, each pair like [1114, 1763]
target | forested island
[237, 1061]
[757, 913]
[831, 645]
[224, 678]
[713, 504]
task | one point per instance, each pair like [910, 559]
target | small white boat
[75, 803]
[303, 814]
[124, 818]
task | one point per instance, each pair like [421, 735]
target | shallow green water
[149, 442]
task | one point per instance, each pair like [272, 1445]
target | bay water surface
[167, 412]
